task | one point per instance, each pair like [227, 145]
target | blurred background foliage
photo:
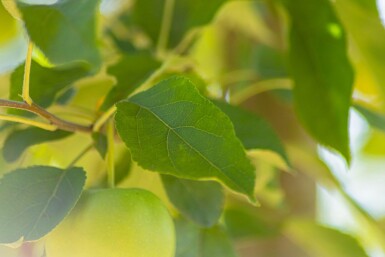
[313, 203]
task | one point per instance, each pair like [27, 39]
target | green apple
[114, 223]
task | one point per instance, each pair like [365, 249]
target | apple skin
[114, 223]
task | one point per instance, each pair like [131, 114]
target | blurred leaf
[64, 31]
[201, 201]
[130, 72]
[244, 222]
[357, 16]
[320, 241]
[45, 83]
[321, 71]
[19, 140]
[189, 136]
[375, 120]
[186, 15]
[269, 62]
[8, 24]
[35, 199]
[253, 131]
[122, 166]
[195, 242]
[100, 143]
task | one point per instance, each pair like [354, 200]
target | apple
[114, 223]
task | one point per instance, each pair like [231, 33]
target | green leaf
[321, 241]
[45, 83]
[19, 140]
[8, 22]
[321, 71]
[201, 201]
[130, 72]
[100, 143]
[195, 242]
[357, 16]
[172, 129]
[253, 131]
[35, 199]
[186, 15]
[375, 119]
[243, 222]
[64, 31]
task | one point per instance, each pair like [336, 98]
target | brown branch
[36, 109]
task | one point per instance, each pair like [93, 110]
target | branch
[54, 120]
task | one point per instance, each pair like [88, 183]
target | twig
[54, 120]
[27, 72]
[165, 28]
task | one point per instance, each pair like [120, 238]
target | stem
[80, 155]
[110, 154]
[34, 123]
[27, 71]
[165, 28]
[36, 109]
[258, 88]
[99, 122]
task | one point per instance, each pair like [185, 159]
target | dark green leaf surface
[18, 141]
[64, 31]
[321, 71]
[363, 22]
[187, 15]
[195, 242]
[45, 83]
[201, 201]
[100, 143]
[321, 241]
[172, 129]
[34, 200]
[253, 131]
[130, 72]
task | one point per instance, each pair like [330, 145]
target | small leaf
[45, 83]
[172, 129]
[253, 131]
[201, 201]
[195, 242]
[375, 119]
[130, 72]
[18, 141]
[64, 31]
[321, 241]
[100, 143]
[34, 200]
[321, 71]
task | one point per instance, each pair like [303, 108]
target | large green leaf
[253, 131]
[45, 83]
[321, 71]
[195, 242]
[130, 72]
[358, 16]
[34, 200]
[321, 241]
[185, 16]
[64, 31]
[201, 201]
[19, 140]
[172, 129]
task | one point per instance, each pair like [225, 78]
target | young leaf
[64, 31]
[172, 129]
[18, 141]
[195, 242]
[201, 201]
[34, 200]
[129, 72]
[45, 83]
[100, 143]
[253, 131]
[321, 241]
[321, 71]
[376, 120]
